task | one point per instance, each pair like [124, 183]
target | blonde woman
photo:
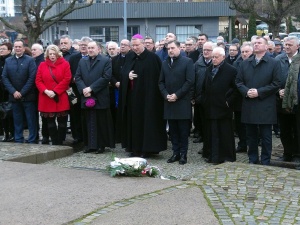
[52, 80]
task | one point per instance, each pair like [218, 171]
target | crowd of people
[142, 93]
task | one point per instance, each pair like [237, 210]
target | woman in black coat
[7, 123]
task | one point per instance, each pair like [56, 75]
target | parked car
[297, 34]
[281, 35]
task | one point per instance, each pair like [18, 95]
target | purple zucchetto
[138, 36]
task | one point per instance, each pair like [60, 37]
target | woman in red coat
[52, 80]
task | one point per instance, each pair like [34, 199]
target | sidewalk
[77, 190]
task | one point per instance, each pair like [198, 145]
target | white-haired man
[218, 95]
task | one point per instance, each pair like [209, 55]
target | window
[132, 31]
[104, 34]
[183, 32]
[161, 32]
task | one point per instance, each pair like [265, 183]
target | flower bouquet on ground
[132, 167]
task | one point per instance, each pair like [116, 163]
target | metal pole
[125, 19]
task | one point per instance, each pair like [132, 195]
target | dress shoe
[183, 159]
[45, 141]
[200, 151]
[296, 159]
[100, 150]
[241, 149]
[211, 162]
[196, 135]
[173, 158]
[198, 140]
[145, 156]
[76, 141]
[285, 158]
[87, 150]
[5, 138]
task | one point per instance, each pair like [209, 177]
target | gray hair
[219, 50]
[191, 39]
[247, 45]
[112, 43]
[271, 43]
[39, 46]
[293, 38]
[86, 39]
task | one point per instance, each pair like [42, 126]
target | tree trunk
[32, 36]
[274, 28]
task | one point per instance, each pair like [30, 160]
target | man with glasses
[189, 46]
[149, 44]
[246, 52]
[117, 65]
[233, 54]
[199, 116]
[75, 110]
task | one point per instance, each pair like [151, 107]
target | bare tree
[269, 11]
[37, 17]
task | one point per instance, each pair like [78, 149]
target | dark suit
[260, 111]
[75, 110]
[117, 65]
[195, 55]
[178, 78]
[218, 96]
[97, 121]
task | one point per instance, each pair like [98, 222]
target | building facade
[105, 22]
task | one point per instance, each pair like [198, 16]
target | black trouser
[240, 130]
[197, 119]
[45, 131]
[179, 130]
[288, 133]
[57, 132]
[75, 118]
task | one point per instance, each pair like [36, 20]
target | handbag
[72, 97]
[5, 109]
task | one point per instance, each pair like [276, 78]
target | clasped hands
[172, 98]
[87, 92]
[17, 95]
[252, 93]
[51, 94]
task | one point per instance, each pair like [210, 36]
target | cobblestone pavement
[238, 193]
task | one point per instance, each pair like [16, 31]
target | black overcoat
[177, 78]
[146, 129]
[96, 76]
[265, 77]
[219, 90]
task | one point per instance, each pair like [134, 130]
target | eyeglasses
[188, 44]
[124, 45]
[3, 49]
